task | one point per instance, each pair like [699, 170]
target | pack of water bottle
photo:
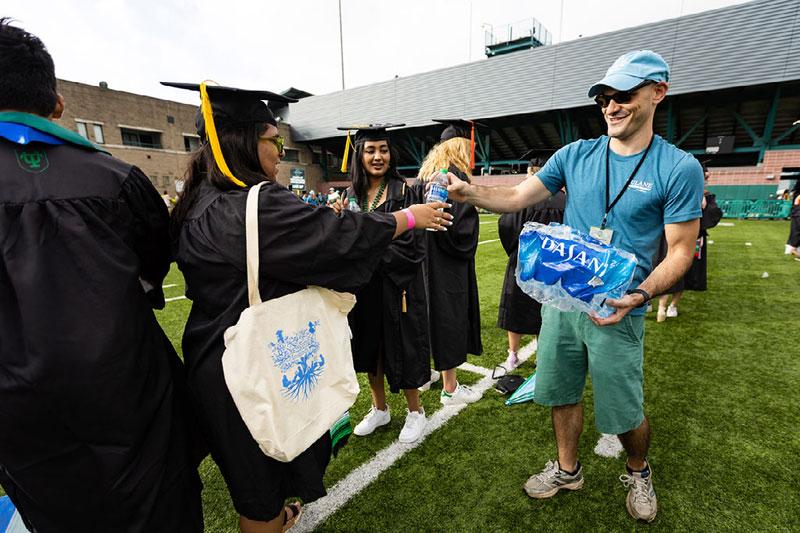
[563, 267]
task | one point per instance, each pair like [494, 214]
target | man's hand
[458, 189]
[623, 306]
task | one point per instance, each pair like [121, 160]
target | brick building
[158, 135]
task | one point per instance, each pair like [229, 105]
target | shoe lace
[639, 484]
[550, 470]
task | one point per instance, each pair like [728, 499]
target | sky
[264, 44]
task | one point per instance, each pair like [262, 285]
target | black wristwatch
[644, 293]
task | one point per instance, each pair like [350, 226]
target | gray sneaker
[552, 479]
[641, 500]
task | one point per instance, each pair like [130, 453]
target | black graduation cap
[229, 106]
[460, 128]
[364, 133]
[232, 106]
[370, 132]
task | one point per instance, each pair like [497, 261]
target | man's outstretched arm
[499, 199]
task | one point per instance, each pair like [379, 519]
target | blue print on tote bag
[298, 358]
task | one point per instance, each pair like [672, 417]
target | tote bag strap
[251, 235]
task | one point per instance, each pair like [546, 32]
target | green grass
[721, 392]
[721, 386]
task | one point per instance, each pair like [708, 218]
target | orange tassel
[472, 147]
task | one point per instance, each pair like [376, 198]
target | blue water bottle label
[437, 193]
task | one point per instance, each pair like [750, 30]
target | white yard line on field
[181, 297]
[169, 286]
[317, 512]
[487, 242]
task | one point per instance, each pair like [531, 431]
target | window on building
[140, 138]
[154, 180]
[291, 155]
[82, 129]
[191, 142]
[316, 158]
[98, 133]
[166, 180]
[170, 119]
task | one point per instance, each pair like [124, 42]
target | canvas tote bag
[288, 362]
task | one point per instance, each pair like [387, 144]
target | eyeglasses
[278, 141]
[620, 97]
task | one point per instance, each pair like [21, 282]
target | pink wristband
[410, 220]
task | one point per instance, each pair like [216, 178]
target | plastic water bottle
[438, 190]
[352, 205]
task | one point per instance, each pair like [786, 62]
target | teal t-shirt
[667, 189]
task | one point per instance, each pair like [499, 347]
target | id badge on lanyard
[603, 235]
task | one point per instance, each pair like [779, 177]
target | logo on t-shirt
[641, 185]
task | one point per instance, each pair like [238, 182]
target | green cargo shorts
[570, 344]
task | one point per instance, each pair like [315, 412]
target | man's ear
[660, 92]
[58, 110]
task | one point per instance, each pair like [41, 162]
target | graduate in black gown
[389, 321]
[518, 313]
[93, 432]
[696, 278]
[299, 245]
[454, 309]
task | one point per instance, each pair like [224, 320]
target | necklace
[375, 200]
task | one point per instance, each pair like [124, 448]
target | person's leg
[560, 380]
[636, 443]
[661, 316]
[513, 341]
[412, 399]
[379, 413]
[449, 380]
[376, 387]
[568, 426]
[676, 298]
[672, 310]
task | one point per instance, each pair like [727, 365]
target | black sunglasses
[620, 97]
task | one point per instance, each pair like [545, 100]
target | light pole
[341, 42]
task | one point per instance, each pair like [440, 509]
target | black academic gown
[794, 227]
[390, 315]
[518, 312]
[92, 429]
[299, 245]
[696, 278]
[454, 309]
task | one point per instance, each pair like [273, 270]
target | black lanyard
[627, 183]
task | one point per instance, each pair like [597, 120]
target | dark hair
[27, 73]
[359, 177]
[239, 146]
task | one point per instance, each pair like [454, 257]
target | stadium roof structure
[743, 54]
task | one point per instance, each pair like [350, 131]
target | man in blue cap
[625, 188]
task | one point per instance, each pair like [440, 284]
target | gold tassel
[213, 140]
[405, 306]
[346, 153]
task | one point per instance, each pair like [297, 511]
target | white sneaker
[374, 419]
[462, 394]
[512, 361]
[414, 426]
[788, 249]
[434, 378]
[672, 311]
[608, 446]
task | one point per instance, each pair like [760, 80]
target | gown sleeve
[310, 245]
[150, 232]
[402, 260]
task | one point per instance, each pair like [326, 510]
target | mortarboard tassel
[472, 146]
[211, 134]
[346, 153]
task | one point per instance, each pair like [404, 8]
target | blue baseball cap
[631, 69]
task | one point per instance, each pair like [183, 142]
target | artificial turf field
[721, 391]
